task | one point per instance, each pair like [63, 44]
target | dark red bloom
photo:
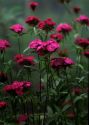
[77, 90]
[84, 20]
[32, 20]
[76, 9]
[3, 104]
[71, 115]
[57, 36]
[17, 28]
[33, 5]
[17, 88]
[82, 42]
[64, 28]
[22, 118]
[86, 53]
[3, 77]
[24, 60]
[61, 62]
[46, 25]
[4, 44]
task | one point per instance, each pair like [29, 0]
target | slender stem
[19, 46]
[33, 112]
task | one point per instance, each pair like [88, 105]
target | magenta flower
[64, 28]
[22, 118]
[4, 44]
[82, 42]
[33, 5]
[32, 20]
[35, 44]
[17, 28]
[3, 104]
[46, 25]
[57, 36]
[86, 53]
[24, 60]
[61, 62]
[83, 20]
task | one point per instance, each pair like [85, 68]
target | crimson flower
[86, 53]
[17, 28]
[3, 104]
[46, 25]
[57, 36]
[32, 20]
[77, 90]
[33, 5]
[4, 44]
[64, 28]
[76, 9]
[84, 20]
[22, 118]
[82, 42]
[24, 60]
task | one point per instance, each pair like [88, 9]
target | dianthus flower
[17, 28]
[82, 42]
[84, 20]
[3, 104]
[4, 44]
[17, 88]
[64, 28]
[76, 9]
[57, 36]
[86, 53]
[22, 118]
[46, 25]
[61, 62]
[32, 20]
[33, 5]
[77, 90]
[24, 60]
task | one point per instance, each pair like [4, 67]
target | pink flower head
[46, 25]
[17, 88]
[64, 28]
[61, 62]
[83, 20]
[35, 44]
[22, 118]
[3, 104]
[4, 44]
[33, 5]
[76, 9]
[57, 36]
[17, 28]
[82, 42]
[32, 20]
[86, 53]
[24, 60]
[3, 77]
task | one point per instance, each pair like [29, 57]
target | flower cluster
[4, 44]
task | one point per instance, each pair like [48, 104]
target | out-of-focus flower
[17, 28]
[77, 90]
[84, 20]
[3, 77]
[17, 88]
[46, 25]
[33, 5]
[86, 53]
[4, 44]
[44, 47]
[82, 42]
[57, 36]
[71, 115]
[3, 104]
[76, 9]
[64, 28]
[22, 118]
[61, 62]
[24, 60]
[32, 20]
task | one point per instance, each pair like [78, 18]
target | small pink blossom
[57, 36]
[64, 28]
[17, 28]
[3, 104]
[4, 44]
[33, 5]
[83, 20]
[22, 118]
